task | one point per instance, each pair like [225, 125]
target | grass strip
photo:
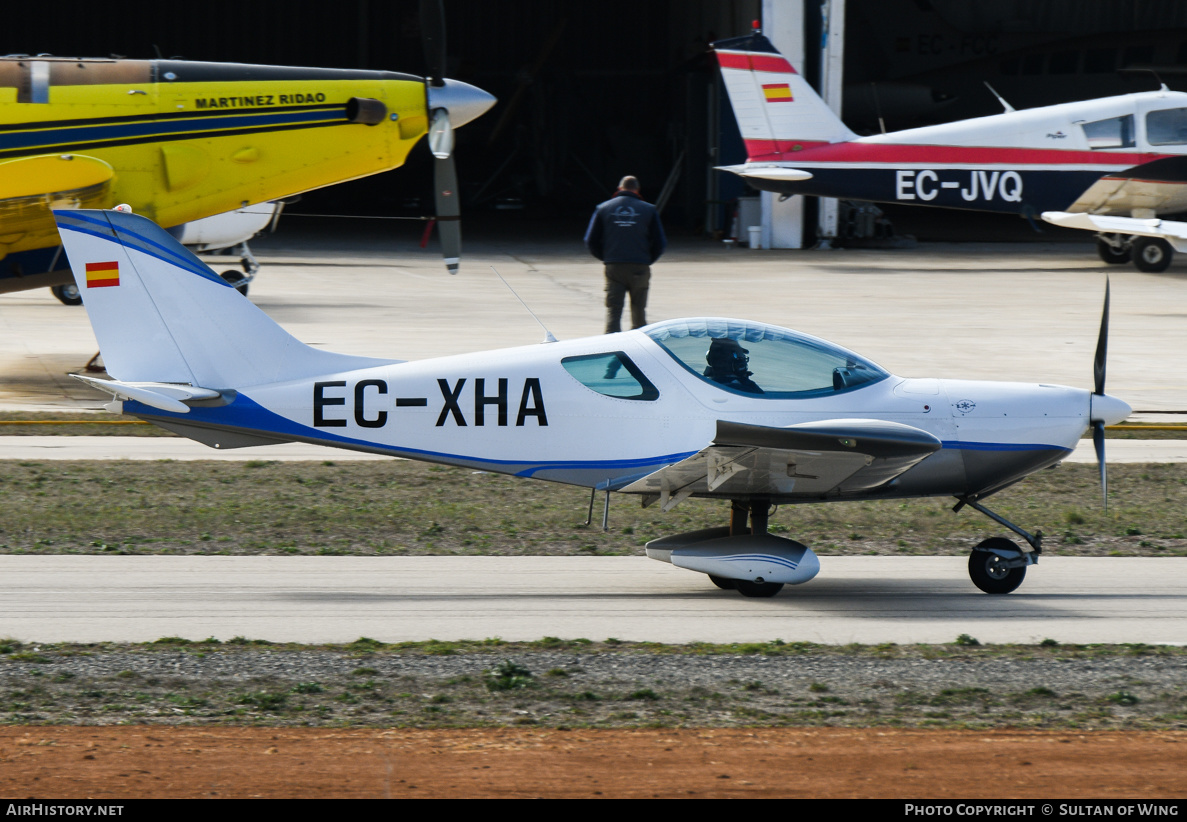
[387, 508]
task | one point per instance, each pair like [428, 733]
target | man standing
[625, 233]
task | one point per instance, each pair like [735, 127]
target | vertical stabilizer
[162, 315]
[777, 111]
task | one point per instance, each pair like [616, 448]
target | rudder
[162, 315]
[778, 113]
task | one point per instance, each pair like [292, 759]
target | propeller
[1098, 380]
[1102, 409]
[450, 104]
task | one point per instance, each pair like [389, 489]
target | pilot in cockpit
[727, 365]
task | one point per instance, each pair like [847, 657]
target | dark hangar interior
[591, 91]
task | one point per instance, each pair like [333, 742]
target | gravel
[1080, 687]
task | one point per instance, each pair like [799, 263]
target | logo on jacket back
[625, 215]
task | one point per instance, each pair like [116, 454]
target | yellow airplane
[179, 140]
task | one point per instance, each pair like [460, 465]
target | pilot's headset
[727, 356]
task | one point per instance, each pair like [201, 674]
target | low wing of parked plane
[1150, 243]
[1116, 157]
[182, 140]
[704, 407]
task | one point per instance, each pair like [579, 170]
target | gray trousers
[621, 279]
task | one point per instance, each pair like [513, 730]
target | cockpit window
[612, 374]
[1167, 127]
[1116, 132]
[762, 360]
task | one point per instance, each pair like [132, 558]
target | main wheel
[1111, 254]
[989, 571]
[724, 583]
[757, 589]
[67, 294]
[1152, 254]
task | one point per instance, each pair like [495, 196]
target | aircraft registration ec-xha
[1109, 165]
[707, 407]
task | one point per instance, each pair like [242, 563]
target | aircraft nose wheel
[991, 572]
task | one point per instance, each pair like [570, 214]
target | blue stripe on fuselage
[230, 121]
[960, 445]
[244, 414]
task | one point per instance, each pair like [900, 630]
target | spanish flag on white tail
[777, 111]
[102, 275]
[778, 93]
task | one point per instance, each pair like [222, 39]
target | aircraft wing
[30, 186]
[1173, 232]
[1160, 185]
[809, 460]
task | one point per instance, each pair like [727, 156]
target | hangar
[590, 91]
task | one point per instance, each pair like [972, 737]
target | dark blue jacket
[626, 229]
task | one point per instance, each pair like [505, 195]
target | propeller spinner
[450, 104]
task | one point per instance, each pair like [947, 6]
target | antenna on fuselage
[1000, 99]
[548, 338]
[1162, 86]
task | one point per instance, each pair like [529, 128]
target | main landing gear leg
[1114, 249]
[250, 267]
[739, 525]
[998, 565]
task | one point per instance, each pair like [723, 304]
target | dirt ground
[132, 762]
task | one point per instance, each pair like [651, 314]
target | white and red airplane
[1109, 165]
[738, 411]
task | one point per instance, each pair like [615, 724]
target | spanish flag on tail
[101, 275]
[777, 93]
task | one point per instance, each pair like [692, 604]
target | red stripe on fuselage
[890, 153]
[775, 150]
[754, 62]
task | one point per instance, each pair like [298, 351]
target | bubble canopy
[766, 360]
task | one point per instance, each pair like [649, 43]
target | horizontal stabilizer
[165, 396]
[780, 175]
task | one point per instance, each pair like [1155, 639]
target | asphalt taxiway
[391, 599]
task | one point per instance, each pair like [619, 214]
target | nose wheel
[997, 566]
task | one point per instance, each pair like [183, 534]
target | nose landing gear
[998, 565]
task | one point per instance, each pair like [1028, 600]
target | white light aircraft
[739, 411]
[1109, 165]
